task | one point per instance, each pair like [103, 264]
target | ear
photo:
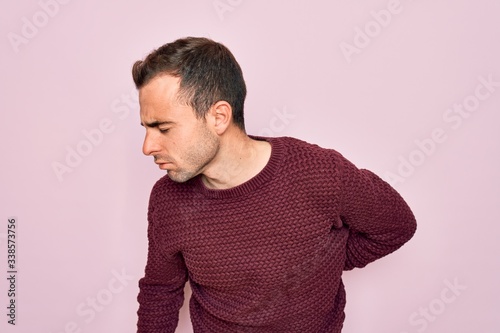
[221, 115]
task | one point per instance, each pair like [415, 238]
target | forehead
[158, 100]
[161, 89]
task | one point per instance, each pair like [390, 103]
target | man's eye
[164, 130]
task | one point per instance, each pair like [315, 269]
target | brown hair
[207, 70]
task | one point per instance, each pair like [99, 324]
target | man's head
[191, 93]
[207, 70]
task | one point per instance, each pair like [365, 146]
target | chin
[179, 177]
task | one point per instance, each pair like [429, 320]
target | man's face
[180, 143]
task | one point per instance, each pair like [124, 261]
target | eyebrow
[156, 123]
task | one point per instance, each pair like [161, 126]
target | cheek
[175, 149]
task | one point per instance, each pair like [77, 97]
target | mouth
[163, 165]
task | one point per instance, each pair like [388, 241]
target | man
[262, 228]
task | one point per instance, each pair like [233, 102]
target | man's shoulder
[304, 159]
[296, 147]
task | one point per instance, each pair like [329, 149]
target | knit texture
[268, 255]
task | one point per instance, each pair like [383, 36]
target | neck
[239, 159]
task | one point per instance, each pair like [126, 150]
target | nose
[150, 145]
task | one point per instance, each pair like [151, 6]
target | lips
[163, 165]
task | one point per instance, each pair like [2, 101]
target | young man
[262, 228]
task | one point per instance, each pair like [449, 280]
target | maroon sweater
[267, 255]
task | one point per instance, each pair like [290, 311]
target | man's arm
[161, 290]
[379, 219]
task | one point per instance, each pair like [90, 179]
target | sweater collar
[259, 180]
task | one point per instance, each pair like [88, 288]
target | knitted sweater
[267, 255]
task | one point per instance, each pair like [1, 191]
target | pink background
[65, 76]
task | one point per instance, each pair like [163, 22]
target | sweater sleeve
[378, 218]
[161, 290]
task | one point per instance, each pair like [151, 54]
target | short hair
[207, 70]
